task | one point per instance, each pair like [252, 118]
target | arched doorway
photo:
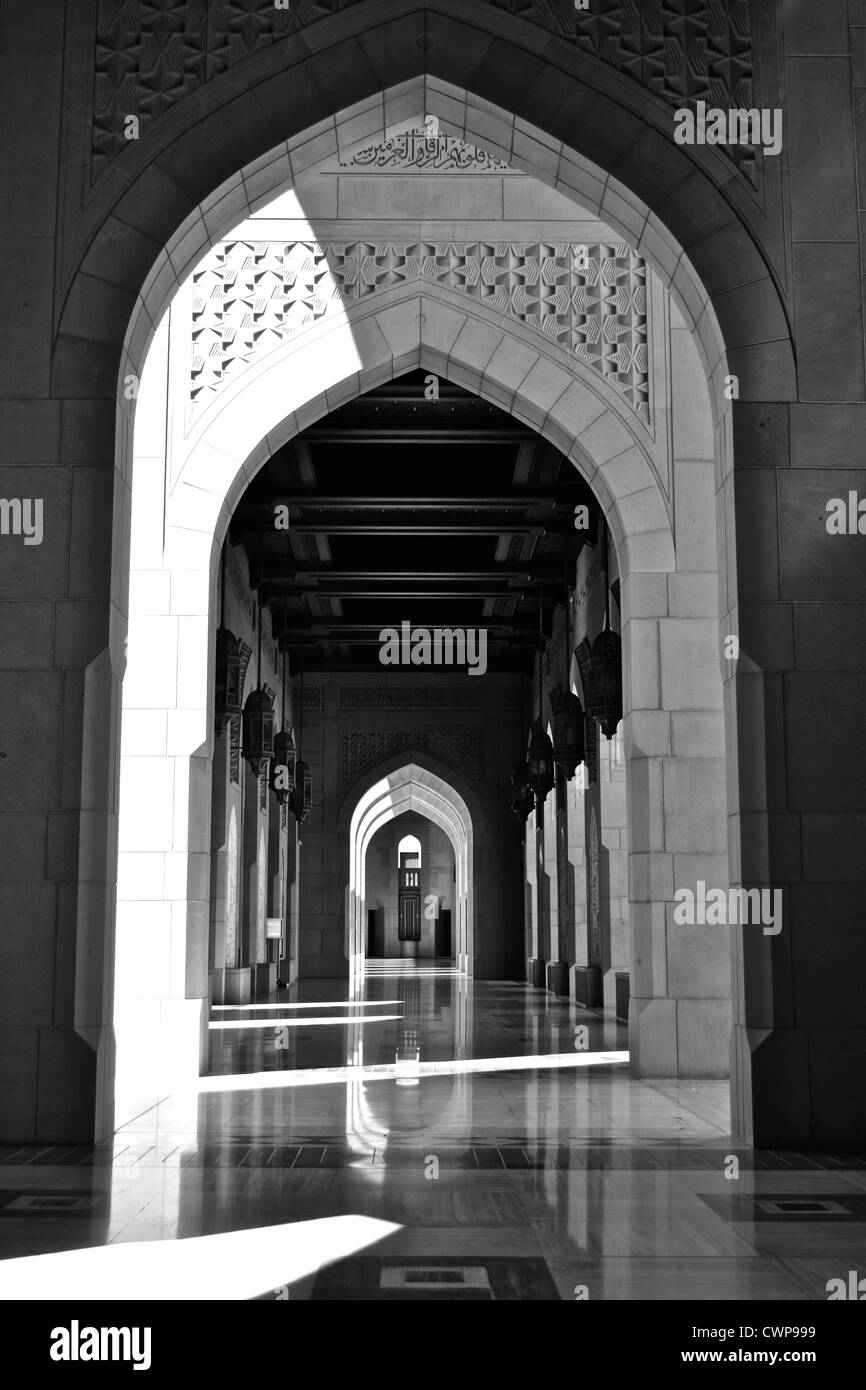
[576, 408]
[411, 787]
[646, 543]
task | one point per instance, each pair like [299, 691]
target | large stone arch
[178, 527]
[770, 359]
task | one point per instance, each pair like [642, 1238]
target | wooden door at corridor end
[409, 899]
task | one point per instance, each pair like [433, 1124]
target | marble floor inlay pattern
[473, 1147]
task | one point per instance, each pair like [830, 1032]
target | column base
[535, 973]
[266, 978]
[557, 977]
[587, 985]
[622, 995]
[681, 1038]
[162, 1047]
[238, 984]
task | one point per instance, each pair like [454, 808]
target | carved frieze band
[249, 297]
[151, 53]
[424, 149]
[364, 748]
[365, 697]
[314, 697]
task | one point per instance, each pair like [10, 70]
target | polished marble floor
[452, 1140]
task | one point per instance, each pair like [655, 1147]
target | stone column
[536, 966]
[579, 956]
[673, 731]
[614, 862]
[218, 867]
[796, 696]
[560, 924]
[534, 836]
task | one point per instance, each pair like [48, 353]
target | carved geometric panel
[261, 896]
[231, 909]
[151, 53]
[358, 697]
[594, 893]
[683, 51]
[234, 751]
[251, 296]
[363, 748]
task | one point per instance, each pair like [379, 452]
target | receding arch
[410, 787]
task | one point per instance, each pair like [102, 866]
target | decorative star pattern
[150, 53]
[250, 297]
[363, 748]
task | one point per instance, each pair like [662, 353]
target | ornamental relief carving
[363, 748]
[231, 907]
[249, 297]
[424, 149]
[149, 54]
[365, 697]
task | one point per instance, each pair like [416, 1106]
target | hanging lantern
[568, 731]
[282, 776]
[601, 665]
[539, 754]
[232, 656]
[539, 758]
[601, 669]
[259, 717]
[521, 792]
[230, 668]
[258, 730]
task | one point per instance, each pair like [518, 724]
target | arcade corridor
[558, 1176]
[432, 668]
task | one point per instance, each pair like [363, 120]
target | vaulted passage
[431, 644]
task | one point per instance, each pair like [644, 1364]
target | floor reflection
[494, 1127]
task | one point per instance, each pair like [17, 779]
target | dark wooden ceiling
[448, 513]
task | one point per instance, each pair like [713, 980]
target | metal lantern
[540, 772]
[569, 744]
[539, 758]
[521, 792]
[601, 668]
[258, 729]
[230, 667]
[282, 776]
